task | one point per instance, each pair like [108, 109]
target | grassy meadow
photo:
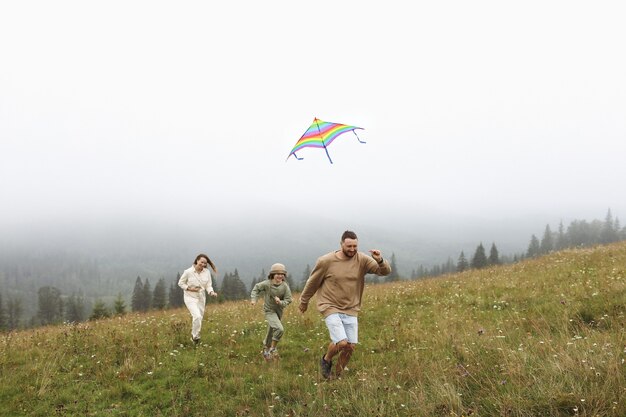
[543, 337]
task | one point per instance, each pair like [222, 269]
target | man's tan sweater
[339, 282]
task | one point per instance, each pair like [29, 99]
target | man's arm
[312, 284]
[380, 266]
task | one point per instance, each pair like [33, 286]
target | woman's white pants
[195, 305]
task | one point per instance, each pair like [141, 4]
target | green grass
[544, 337]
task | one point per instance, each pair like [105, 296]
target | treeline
[55, 307]
[579, 233]
[88, 277]
[231, 287]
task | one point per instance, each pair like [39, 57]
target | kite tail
[296, 156]
[357, 137]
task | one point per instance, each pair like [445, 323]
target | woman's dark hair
[211, 264]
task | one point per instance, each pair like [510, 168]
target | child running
[277, 297]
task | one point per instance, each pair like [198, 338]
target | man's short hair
[348, 234]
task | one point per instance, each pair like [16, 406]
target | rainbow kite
[320, 135]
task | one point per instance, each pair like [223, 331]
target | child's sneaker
[273, 353]
[266, 354]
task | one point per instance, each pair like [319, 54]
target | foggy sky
[183, 113]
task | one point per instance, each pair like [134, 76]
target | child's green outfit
[273, 312]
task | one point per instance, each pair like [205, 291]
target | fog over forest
[100, 259]
[154, 248]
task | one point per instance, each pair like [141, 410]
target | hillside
[543, 337]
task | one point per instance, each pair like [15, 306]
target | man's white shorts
[343, 327]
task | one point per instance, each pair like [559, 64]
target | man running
[339, 279]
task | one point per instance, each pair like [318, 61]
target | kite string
[323, 142]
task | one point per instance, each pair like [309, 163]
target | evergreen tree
[214, 284]
[421, 271]
[609, 232]
[226, 291]
[253, 283]
[171, 295]
[561, 238]
[547, 242]
[75, 308]
[14, 313]
[290, 282]
[618, 231]
[494, 256]
[533, 247]
[305, 276]
[159, 301]
[393, 276]
[50, 305]
[233, 288]
[136, 302]
[100, 311]
[480, 258]
[462, 264]
[3, 318]
[580, 233]
[146, 296]
[176, 295]
[256, 280]
[119, 305]
[449, 266]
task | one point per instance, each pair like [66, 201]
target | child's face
[278, 278]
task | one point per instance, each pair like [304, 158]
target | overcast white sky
[121, 108]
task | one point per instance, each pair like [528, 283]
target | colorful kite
[320, 135]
